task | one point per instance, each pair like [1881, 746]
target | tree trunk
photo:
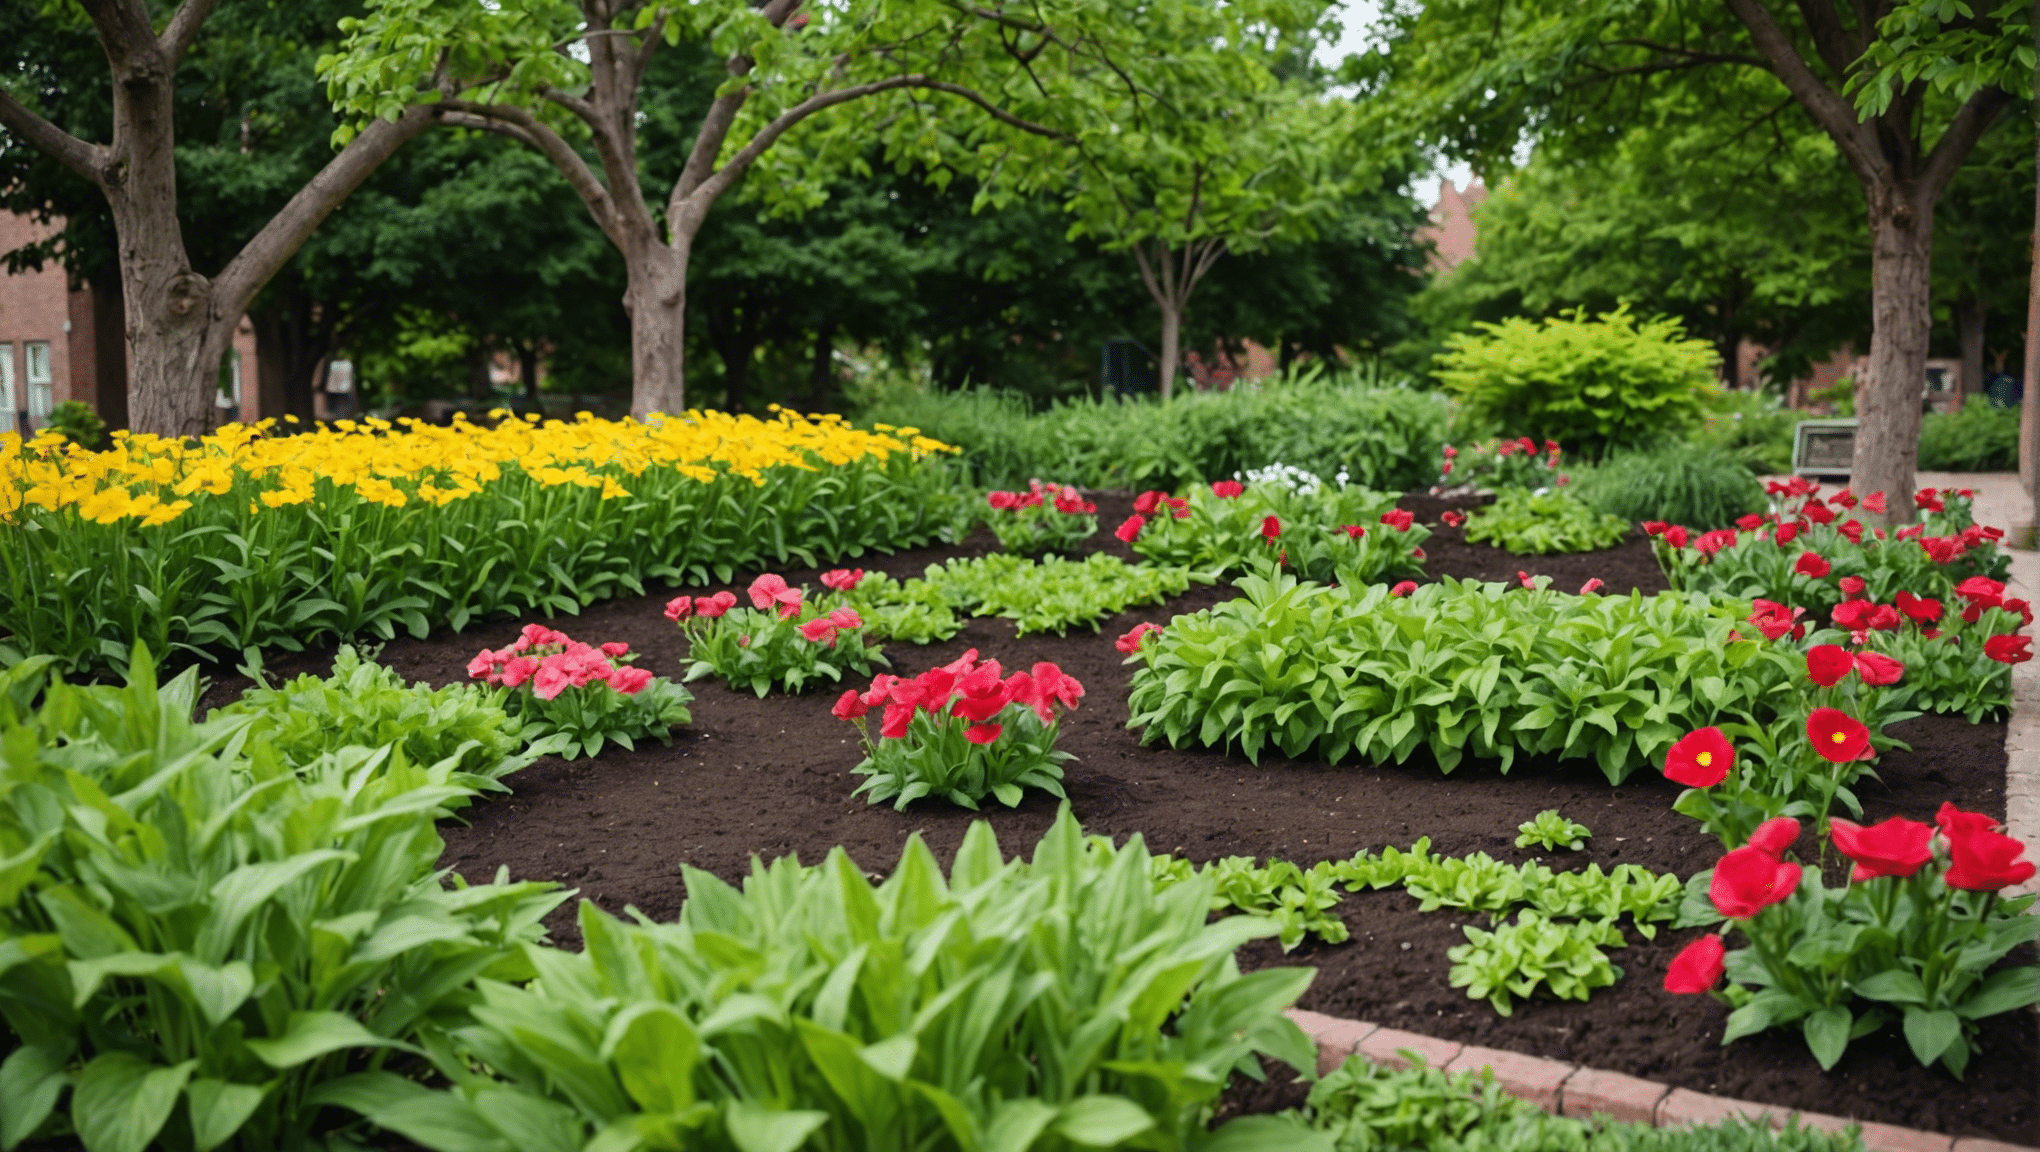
[1888, 397]
[1172, 336]
[290, 344]
[2029, 424]
[656, 298]
[1969, 325]
[480, 387]
[527, 369]
[822, 372]
[109, 354]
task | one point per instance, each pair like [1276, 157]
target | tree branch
[1688, 54]
[1971, 121]
[715, 128]
[124, 31]
[522, 125]
[183, 26]
[1835, 115]
[79, 156]
[1836, 47]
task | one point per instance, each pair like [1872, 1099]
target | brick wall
[36, 307]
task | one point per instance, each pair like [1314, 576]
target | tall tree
[1566, 73]
[180, 321]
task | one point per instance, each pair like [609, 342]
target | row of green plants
[1324, 532]
[1379, 435]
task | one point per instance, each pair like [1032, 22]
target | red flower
[1450, 451]
[1775, 835]
[1982, 860]
[1452, 519]
[1826, 664]
[849, 706]
[1697, 966]
[1750, 523]
[1592, 586]
[1526, 580]
[768, 590]
[1003, 501]
[1942, 549]
[983, 733]
[1878, 669]
[1398, 519]
[1711, 542]
[1852, 586]
[1071, 502]
[1177, 506]
[714, 606]
[1929, 501]
[1895, 847]
[679, 608]
[1749, 880]
[1786, 532]
[1774, 619]
[1446, 470]
[1227, 489]
[1818, 512]
[1918, 608]
[1353, 531]
[1700, 759]
[2009, 649]
[1981, 590]
[1404, 588]
[1953, 821]
[1131, 642]
[1874, 503]
[1811, 564]
[1852, 529]
[1654, 527]
[1130, 528]
[1837, 736]
[1146, 503]
[1852, 615]
[1271, 528]
[1675, 536]
[1911, 532]
[842, 579]
[1843, 499]
[2024, 610]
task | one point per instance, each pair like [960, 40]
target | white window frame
[230, 397]
[41, 384]
[7, 387]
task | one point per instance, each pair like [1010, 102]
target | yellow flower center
[1704, 759]
[1839, 737]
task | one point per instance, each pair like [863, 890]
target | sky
[1359, 15]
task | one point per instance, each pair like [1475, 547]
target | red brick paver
[1383, 1046]
[1336, 1039]
[1626, 1098]
[1524, 1077]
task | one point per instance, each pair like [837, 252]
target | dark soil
[770, 777]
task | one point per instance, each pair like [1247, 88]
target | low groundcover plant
[780, 641]
[1045, 518]
[585, 694]
[962, 731]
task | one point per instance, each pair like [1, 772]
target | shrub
[1043, 518]
[1592, 385]
[1319, 532]
[913, 611]
[1382, 437]
[1059, 1002]
[578, 696]
[79, 424]
[1685, 484]
[781, 641]
[197, 934]
[364, 704]
[1751, 427]
[1054, 594]
[1980, 437]
[1540, 523]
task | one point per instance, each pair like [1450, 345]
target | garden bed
[772, 776]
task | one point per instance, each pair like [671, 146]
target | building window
[36, 353]
[7, 388]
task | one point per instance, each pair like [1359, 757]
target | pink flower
[1003, 501]
[483, 667]
[551, 680]
[616, 648]
[1852, 586]
[846, 618]
[821, 630]
[630, 681]
[768, 590]
[849, 706]
[1591, 586]
[1227, 489]
[1525, 579]
[1877, 668]
[679, 608]
[842, 579]
[1874, 502]
[1131, 642]
[1404, 588]
[517, 670]
[710, 607]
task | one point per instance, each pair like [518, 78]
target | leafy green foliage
[1055, 594]
[1059, 1002]
[914, 611]
[1513, 961]
[196, 934]
[579, 721]
[1314, 525]
[766, 649]
[1692, 485]
[1540, 523]
[1980, 437]
[365, 704]
[1592, 385]
[1552, 831]
[1463, 669]
[1381, 436]
[963, 732]
[1752, 427]
[79, 424]
[1299, 900]
[1047, 518]
[1368, 1107]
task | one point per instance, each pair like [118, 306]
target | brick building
[57, 344]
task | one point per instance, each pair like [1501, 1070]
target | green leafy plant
[1299, 900]
[1498, 464]
[79, 424]
[1368, 1107]
[1061, 1002]
[1054, 594]
[1515, 960]
[1753, 428]
[1044, 518]
[580, 697]
[1318, 531]
[195, 934]
[365, 704]
[962, 732]
[1916, 933]
[1978, 437]
[1682, 484]
[911, 611]
[781, 641]
[1552, 831]
[1539, 523]
[1592, 385]
[1461, 668]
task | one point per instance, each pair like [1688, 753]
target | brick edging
[1571, 1090]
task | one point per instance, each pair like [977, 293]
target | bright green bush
[1592, 385]
[196, 934]
[364, 704]
[1054, 594]
[1059, 1003]
[1541, 523]
[79, 424]
[1382, 437]
[1980, 437]
[1752, 427]
[1684, 484]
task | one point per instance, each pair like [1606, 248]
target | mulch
[770, 777]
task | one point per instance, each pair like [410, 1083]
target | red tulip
[1811, 564]
[1271, 528]
[1700, 759]
[1130, 528]
[1749, 880]
[1918, 608]
[1837, 736]
[1954, 821]
[1398, 519]
[983, 733]
[1826, 664]
[1894, 847]
[1227, 489]
[849, 706]
[1697, 966]
[1980, 860]
[2009, 649]
[1878, 669]
[1852, 586]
